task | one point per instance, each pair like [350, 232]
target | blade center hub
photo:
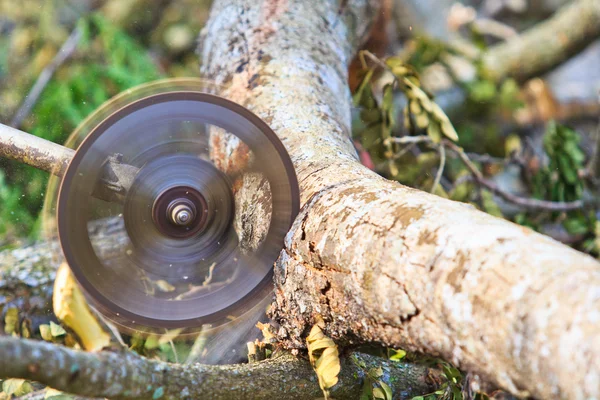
[180, 212]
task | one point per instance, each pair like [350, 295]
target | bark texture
[123, 375]
[383, 262]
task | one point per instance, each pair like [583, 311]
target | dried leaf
[11, 320]
[267, 331]
[415, 107]
[53, 394]
[56, 330]
[25, 328]
[45, 332]
[512, 144]
[16, 387]
[434, 132]
[448, 130]
[324, 357]
[169, 336]
[71, 308]
[406, 116]
[422, 120]
[164, 286]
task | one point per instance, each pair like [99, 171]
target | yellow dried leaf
[422, 120]
[433, 131]
[512, 144]
[11, 320]
[324, 358]
[169, 336]
[56, 330]
[25, 329]
[267, 331]
[164, 286]
[45, 332]
[445, 125]
[72, 309]
[16, 387]
[448, 130]
[415, 107]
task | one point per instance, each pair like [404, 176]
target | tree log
[121, 375]
[383, 262]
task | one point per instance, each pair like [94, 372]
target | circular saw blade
[192, 238]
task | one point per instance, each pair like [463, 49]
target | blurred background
[533, 138]
[107, 46]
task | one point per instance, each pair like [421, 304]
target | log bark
[383, 262]
[122, 375]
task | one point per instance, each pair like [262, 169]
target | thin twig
[440, 171]
[410, 139]
[528, 203]
[64, 52]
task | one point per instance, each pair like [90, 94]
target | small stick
[440, 170]
[528, 203]
[35, 151]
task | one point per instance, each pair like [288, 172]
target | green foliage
[374, 386]
[451, 389]
[107, 62]
[16, 387]
[377, 126]
[425, 51]
[559, 180]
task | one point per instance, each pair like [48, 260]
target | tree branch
[383, 262]
[546, 45]
[35, 151]
[123, 375]
[65, 51]
[527, 203]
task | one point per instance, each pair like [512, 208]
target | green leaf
[16, 387]
[483, 91]
[56, 330]
[365, 86]
[389, 395]
[158, 393]
[397, 355]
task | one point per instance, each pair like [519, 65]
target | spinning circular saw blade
[174, 208]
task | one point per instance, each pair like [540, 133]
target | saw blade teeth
[174, 208]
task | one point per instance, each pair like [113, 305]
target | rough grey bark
[383, 262]
[122, 375]
[33, 150]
